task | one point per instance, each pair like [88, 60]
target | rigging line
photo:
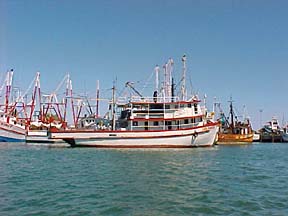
[147, 81]
[237, 115]
[61, 83]
[29, 88]
[191, 85]
[121, 92]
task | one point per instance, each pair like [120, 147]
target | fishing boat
[51, 113]
[234, 131]
[149, 124]
[12, 128]
[161, 121]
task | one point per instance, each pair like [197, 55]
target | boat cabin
[151, 115]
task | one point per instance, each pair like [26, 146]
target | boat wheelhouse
[148, 115]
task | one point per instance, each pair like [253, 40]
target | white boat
[186, 130]
[161, 121]
[10, 129]
[166, 121]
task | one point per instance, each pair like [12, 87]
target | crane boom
[129, 84]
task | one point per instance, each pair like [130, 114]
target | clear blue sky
[236, 48]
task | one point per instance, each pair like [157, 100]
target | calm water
[225, 180]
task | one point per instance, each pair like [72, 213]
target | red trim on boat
[129, 131]
[142, 146]
[164, 119]
[177, 102]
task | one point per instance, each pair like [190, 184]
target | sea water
[222, 180]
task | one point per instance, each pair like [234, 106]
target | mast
[36, 87]
[169, 72]
[113, 107]
[157, 70]
[39, 96]
[183, 87]
[214, 105]
[9, 79]
[165, 81]
[79, 109]
[232, 115]
[72, 102]
[97, 99]
[172, 90]
[66, 97]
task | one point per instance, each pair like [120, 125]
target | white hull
[256, 137]
[11, 133]
[41, 137]
[197, 137]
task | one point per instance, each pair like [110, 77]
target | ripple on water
[211, 181]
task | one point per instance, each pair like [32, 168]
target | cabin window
[181, 105]
[189, 105]
[155, 123]
[186, 121]
[193, 120]
[176, 106]
[135, 123]
[167, 106]
[1, 115]
[169, 124]
[195, 108]
[146, 125]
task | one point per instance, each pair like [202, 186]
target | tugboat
[234, 131]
